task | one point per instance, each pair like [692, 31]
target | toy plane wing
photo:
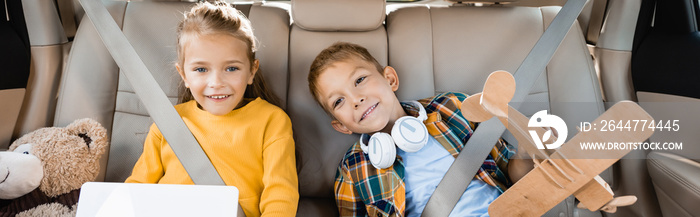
[570, 169]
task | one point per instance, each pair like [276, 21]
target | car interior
[57, 70]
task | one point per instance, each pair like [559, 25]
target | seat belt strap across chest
[183, 143]
[152, 96]
[595, 23]
[467, 163]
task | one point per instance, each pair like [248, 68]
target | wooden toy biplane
[569, 169]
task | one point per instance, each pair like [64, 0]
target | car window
[697, 15]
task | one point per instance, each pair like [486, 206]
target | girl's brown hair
[221, 18]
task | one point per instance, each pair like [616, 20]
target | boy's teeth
[368, 111]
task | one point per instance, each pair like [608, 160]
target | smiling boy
[358, 94]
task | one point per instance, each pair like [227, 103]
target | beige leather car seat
[47, 43]
[317, 25]
[455, 48]
[15, 61]
[434, 50]
[663, 70]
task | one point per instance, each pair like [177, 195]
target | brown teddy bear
[43, 171]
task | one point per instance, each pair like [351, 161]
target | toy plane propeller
[569, 169]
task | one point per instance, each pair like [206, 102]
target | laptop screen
[103, 199]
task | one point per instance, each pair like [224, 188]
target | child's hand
[522, 163]
[518, 168]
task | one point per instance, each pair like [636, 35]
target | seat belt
[183, 143]
[462, 170]
[595, 23]
[67, 14]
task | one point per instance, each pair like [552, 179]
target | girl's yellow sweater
[251, 147]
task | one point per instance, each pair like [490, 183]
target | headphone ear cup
[364, 139]
[381, 150]
[409, 134]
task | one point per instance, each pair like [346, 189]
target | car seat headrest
[338, 15]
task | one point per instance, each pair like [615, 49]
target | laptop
[104, 199]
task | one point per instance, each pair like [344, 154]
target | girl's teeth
[217, 97]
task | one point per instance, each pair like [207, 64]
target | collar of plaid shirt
[382, 192]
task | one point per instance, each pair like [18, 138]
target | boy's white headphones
[408, 133]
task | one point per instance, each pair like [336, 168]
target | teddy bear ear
[91, 131]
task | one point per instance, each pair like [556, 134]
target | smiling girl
[227, 107]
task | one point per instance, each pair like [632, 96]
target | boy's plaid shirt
[363, 190]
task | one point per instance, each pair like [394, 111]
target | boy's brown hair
[340, 51]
